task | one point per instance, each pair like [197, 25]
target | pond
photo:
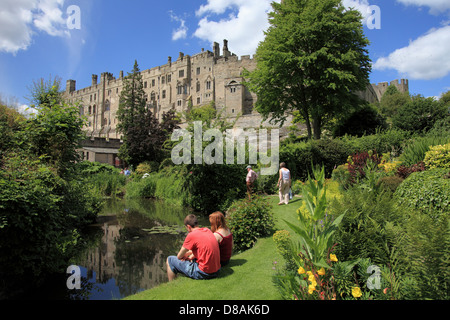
[126, 251]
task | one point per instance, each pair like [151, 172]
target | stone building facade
[202, 78]
[205, 77]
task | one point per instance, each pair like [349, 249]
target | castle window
[163, 79]
[153, 82]
[208, 85]
[198, 100]
[93, 109]
[233, 89]
[90, 111]
[198, 86]
[145, 84]
[169, 78]
[179, 103]
[181, 74]
[179, 89]
[198, 70]
[152, 96]
[164, 93]
[107, 105]
[91, 98]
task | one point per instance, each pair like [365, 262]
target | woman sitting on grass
[223, 236]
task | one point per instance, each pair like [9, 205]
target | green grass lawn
[247, 277]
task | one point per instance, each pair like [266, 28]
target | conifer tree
[143, 134]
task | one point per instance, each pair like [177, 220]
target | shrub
[419, 115]
[40, 214]
[327, 152]
[364, 121]
[438, 157]
[283, 241]
[383, 141]
[249, 220]
[404, 171]
[426, 190]
[342, 175]
[426, 250]
[416, 148]
[143, 168]
[363, 231]
[358, 163]
[214, 187]
[390, 183]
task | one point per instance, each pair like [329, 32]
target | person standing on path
[284, 184]
[250, 179]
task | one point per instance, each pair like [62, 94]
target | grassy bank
[247, 277]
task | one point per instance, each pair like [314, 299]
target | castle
[200, 79]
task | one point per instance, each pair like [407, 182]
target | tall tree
[132, 100]
[313, 59]
[143, 134]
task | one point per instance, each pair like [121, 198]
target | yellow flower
[311, 278]
[311, 289]
[333, 257]
[321, 272]
[356, 292]
[308, 273]
[301, 270]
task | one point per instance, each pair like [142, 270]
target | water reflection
[128, 249]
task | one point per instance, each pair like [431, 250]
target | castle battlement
[200, 79]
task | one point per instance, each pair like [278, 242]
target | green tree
[392, 100]
[132, 102]
[45, 92]
[55, 132]
[420, 114]
[313, 59]
[144, 135]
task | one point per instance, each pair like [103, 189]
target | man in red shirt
[199, 257]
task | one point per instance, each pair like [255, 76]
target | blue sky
[412, 40]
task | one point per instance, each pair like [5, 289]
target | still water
[126, 251]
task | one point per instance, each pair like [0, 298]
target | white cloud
[20, 19]
[425, 58]
[243, 26]
[49, 17]
[436, 6]
[181, 31]
[243, 22]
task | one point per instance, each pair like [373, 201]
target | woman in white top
[284, 184]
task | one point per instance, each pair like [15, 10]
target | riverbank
[247, 277]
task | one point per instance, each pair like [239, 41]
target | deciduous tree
[313, 59]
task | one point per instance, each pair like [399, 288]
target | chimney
[94, 79]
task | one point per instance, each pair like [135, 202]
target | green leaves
[313, 59]
[315, 227]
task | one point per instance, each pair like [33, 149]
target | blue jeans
[189, 268]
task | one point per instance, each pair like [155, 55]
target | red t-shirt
[205, 248]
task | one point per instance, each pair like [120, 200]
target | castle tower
[70, 86]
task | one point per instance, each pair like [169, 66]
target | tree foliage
[144, 135]
[313, 59]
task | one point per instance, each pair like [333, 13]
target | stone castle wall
[202, 78]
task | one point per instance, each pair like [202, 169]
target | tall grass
[107, 184]
[163, 185]
[415, 151]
